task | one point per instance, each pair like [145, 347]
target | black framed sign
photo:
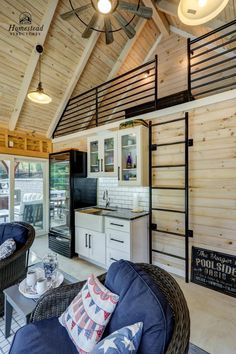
[214, 270]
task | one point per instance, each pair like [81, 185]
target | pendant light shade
[197, 12]
[39, 96]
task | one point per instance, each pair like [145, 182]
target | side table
[21, 304]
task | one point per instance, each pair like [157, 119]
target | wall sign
[214, 270]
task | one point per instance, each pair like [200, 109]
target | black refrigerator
[69, 189]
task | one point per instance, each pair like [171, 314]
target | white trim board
[184, 107]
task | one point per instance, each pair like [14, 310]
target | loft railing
[212, 61]
[211, 69]
[109, 101]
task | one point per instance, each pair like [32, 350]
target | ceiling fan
[114, 12]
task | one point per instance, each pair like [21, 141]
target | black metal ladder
[154, 227]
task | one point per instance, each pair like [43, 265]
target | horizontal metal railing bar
[131, 89]
[111, 120]
[169, 232]
[168, 144]
[215, 89]
[117, 78]
[169, 210]
[78, 97]
[169, 254]
[77, 104]
[75, 116]
[171, 188]
[134, 94]
[212, 65]
[71, 131]
[214, 81]
[120, 82]
[75, 123]
[213, 57]
[169, 166]
[213, 40]
[214, 73]
[168, 122]
[127, 84]
[213, 48]
[79, 110]
[213, 32]
[123, 105]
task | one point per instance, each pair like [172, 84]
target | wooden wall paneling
[212, 183]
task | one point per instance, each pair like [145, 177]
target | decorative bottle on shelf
[129, 161]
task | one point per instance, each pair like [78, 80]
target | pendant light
[197, 12]
[39, 96]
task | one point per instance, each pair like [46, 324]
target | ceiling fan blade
[88, 30]
[68, 14]
[142, 11]
[129, 30]
[108, 29]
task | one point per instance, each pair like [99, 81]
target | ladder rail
[153, 227]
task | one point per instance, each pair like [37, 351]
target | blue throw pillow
[18, 232]
[140, 301]
[7, 248]
[124, 341]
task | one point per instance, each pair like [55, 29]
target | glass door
[59, 177]
[4, 191]
[128, 158]
[94, 160]
[109, 165]
[29, 193]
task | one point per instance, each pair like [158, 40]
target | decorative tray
[31, 293]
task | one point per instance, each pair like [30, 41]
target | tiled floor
[17, 322]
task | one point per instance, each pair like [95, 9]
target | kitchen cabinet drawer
[118, 240]
[115, 255]
[117, 224]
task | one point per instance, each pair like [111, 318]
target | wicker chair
[14, 268]
[55, 301]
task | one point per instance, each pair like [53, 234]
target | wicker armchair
[54, 303]
[14, 268]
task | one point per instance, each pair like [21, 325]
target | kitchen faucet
[106, 198]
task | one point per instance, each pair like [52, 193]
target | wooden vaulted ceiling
[71, 64]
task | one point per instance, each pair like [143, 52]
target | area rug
[18, 322]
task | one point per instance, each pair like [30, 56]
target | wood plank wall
[212, 183]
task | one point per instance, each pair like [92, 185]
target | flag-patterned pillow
[126, 341]
[88, 314]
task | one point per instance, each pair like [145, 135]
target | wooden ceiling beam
[159, 18]
[30, 69]
[91, 43]
[122, 57]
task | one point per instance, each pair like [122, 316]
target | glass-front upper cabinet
[102, 156]
[133, 156]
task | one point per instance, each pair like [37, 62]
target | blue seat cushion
[140, 301]
[18, 232]
[43, 337]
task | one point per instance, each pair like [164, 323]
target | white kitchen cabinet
[133, 156]
[91, 245]
[102, 155]
[127, 239]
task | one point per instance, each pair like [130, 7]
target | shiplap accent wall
[212, 183]
[121, 196]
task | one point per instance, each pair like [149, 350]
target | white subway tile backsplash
[121, 196]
